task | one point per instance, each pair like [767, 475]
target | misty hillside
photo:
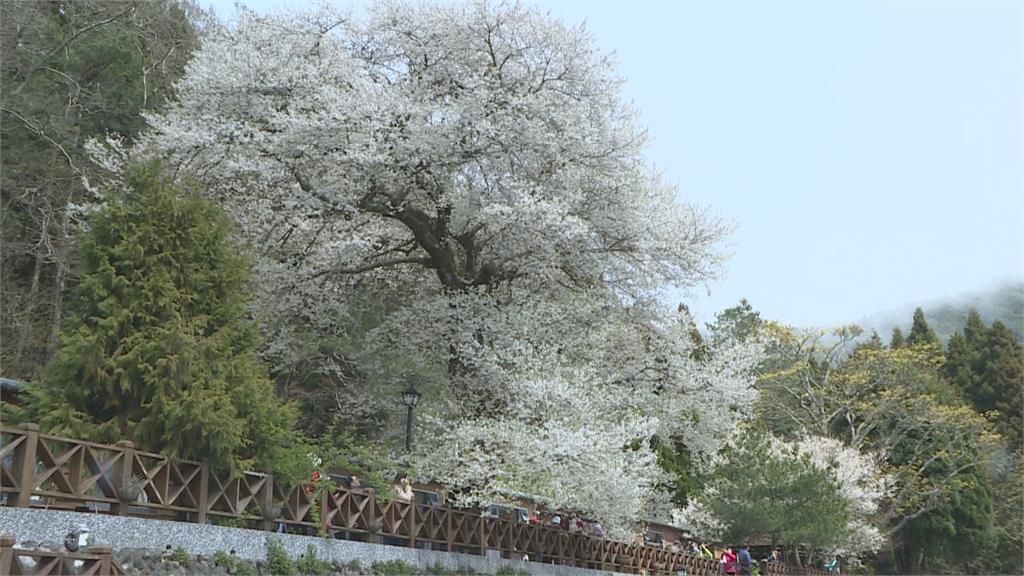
[1004, 303]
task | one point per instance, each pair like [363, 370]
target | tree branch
[31, 72]
[40, 132]
[374, 265]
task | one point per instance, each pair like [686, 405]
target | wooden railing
[95, 561]
[42, 471]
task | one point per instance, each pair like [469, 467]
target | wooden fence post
[267, 502]
[25, 466]
[105, 562]
[203, 502]
[483, 534]
[449, 531]
[412, 523]
[124, 475]
[7, 554]
[324, 495]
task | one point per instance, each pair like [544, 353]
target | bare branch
[423, 261]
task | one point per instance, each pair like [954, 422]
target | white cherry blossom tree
[474, 170]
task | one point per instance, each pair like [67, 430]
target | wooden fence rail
[42, 471]
[94, 561]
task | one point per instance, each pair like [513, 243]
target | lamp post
[411, 398]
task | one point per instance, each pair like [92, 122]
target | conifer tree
[896, 340]
[1004, 380]
[920, 331]
[157, 348]
[986, 364]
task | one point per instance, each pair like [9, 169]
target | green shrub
[394, 568]
[222, 558]
[278, 561]
[310, 564]
[354, 566]
[180, 556]
[510, 571]
[438, 569]
[234, 565]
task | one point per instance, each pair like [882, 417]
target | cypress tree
[896, 340]
[975, 329]
[921, 332]
[1003, 381]
[987, 364]
[157, 348]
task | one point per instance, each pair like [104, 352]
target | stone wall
[50, 526]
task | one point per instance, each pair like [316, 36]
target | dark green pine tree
[1004, 369]
[987, 364]
[921, 332]
[157, 348]
[896, 340]
[964, 356]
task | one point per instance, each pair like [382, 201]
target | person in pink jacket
[729, 561]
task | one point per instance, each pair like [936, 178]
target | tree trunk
[58, 311]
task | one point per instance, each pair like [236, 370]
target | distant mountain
[1004, 303]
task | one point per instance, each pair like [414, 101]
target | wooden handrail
[95, 560]
[40, 470]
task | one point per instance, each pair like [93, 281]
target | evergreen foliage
[157, 348]
[1008, 506]
[1003, 302]
[70, 71]
[310, 565]
[920, 332]
[896, 341]
[761, 488]
[958, 535]
[987, 364]
[278, 561]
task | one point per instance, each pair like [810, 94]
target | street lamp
[411, 398]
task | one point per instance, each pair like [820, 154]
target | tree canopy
[765, 487]
[474, 169]
[70, 71]
[157, 348]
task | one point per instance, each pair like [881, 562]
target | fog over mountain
[1003, 302]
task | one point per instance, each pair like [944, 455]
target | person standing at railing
[575, 525]
[704, 552]
[746, 562]
[402, 490]
[729, 561]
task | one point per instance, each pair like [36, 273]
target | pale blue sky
[870, 153]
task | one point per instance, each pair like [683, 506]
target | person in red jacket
[729, 561]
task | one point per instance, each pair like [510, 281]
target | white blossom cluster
[861, 482]
[475, 167]
[573, 425]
